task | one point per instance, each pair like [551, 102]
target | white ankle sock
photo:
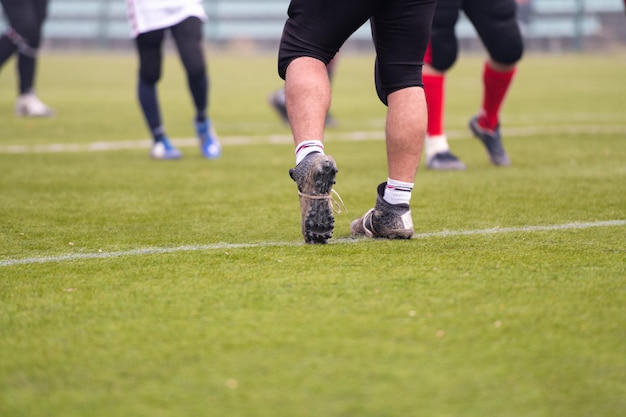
[398, 192]
[435, 144]
[308, 147]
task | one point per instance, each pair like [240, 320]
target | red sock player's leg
[496, 84]
[434, 85]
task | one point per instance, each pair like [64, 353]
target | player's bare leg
[307, 91]
[405, 132]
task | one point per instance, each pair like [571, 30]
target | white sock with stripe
[398, 192]
[307, 147]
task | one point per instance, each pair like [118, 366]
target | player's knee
[150, 75]
[444, 52]
[443, 63]
[26, 36]
[510, 53]
[508, 46]
[195, 67]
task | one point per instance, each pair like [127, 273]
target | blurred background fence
[547, 24]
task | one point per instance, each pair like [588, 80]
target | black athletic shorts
[400, 30]
[495, 22]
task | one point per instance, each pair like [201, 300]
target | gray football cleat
[385, 220]
[492, 141]
[315, 177]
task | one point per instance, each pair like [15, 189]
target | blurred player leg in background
[149, 46]
[23, 38]
[498, 28]
[184, 19]
[150, 21]
[189, 40]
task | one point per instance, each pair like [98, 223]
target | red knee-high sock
[434, 89]
[496, 84]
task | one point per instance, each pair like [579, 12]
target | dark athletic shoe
[492, 141]
[445, 161]
[277, 101]
[385, 220]
[164, 150]
[315, 177]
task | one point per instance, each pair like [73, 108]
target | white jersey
[147, 15]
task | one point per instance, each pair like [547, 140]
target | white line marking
[287, 139]
[222, 246]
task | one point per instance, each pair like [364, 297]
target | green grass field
[133, 287]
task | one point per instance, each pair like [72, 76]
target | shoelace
[336, 202]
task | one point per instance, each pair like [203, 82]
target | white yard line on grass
[222, 246]
[287, 139]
